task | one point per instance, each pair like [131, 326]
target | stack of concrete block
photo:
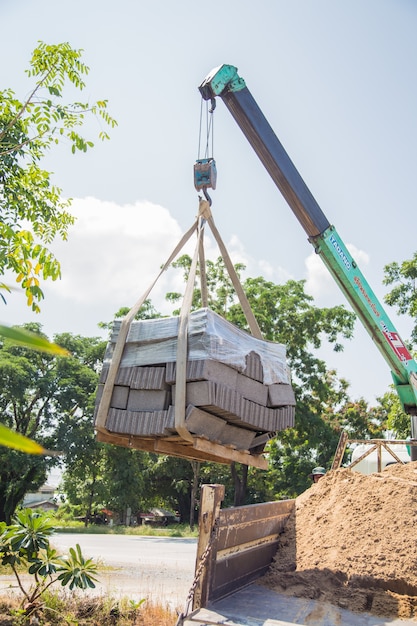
[226, 402]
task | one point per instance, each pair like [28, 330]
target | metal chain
[203, 560]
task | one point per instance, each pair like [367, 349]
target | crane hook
[207, 197]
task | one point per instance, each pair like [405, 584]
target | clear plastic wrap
[209, 336]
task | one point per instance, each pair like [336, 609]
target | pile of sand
[352, 541]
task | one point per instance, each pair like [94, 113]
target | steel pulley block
[205, 174]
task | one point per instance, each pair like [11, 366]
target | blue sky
[336, 80]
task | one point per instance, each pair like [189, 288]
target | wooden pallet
[199, 449]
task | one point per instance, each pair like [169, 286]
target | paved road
[157, 568]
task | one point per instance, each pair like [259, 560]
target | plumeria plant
[25, 545]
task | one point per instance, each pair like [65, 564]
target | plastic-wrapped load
[237, 390]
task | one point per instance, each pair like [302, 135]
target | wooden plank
[211, 499]
[392, 453]
[162, 446]
[198, 450]
[126, 441]
[219, 454]
[340, 450]
[233, 455]
[364, 455]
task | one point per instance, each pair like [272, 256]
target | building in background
[43, 499]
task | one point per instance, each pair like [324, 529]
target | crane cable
[209, 129]
[204, 160]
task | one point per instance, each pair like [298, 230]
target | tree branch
[25, 105]
[19, 582]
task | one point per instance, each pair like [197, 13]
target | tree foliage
[361, 421]
[101, 476]
[397, 421]
[403, 295]
[42, 396]
[84, 481]
[32, 212]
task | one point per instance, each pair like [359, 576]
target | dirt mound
[352, 541]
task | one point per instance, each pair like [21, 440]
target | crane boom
[225, 82]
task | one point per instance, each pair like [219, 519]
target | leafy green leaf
[78, 571]
[31, 340]
[10, 439]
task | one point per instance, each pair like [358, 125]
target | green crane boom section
[225, 82]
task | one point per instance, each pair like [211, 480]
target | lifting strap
[182, 342]
[204, 216]
[244, 303]
[123, 332]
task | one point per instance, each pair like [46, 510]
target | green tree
[102, 476]
[83, 480]
[220, 291]
[397, 420]
[126, 476]
[171, 483]
[32, 213]
[42, 397]
[99, 475]
[314, 438]
[96, 475]
[361, 421]
[84, 456]
[403, 295]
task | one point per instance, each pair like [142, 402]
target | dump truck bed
[256, 605]
[248, 576]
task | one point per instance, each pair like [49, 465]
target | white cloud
[319, 282]
[113, 255]
[254, 267]
[113, 251]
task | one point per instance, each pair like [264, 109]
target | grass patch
[175, 530]
[67, 524]
[60, 609]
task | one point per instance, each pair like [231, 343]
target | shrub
[26, 544]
